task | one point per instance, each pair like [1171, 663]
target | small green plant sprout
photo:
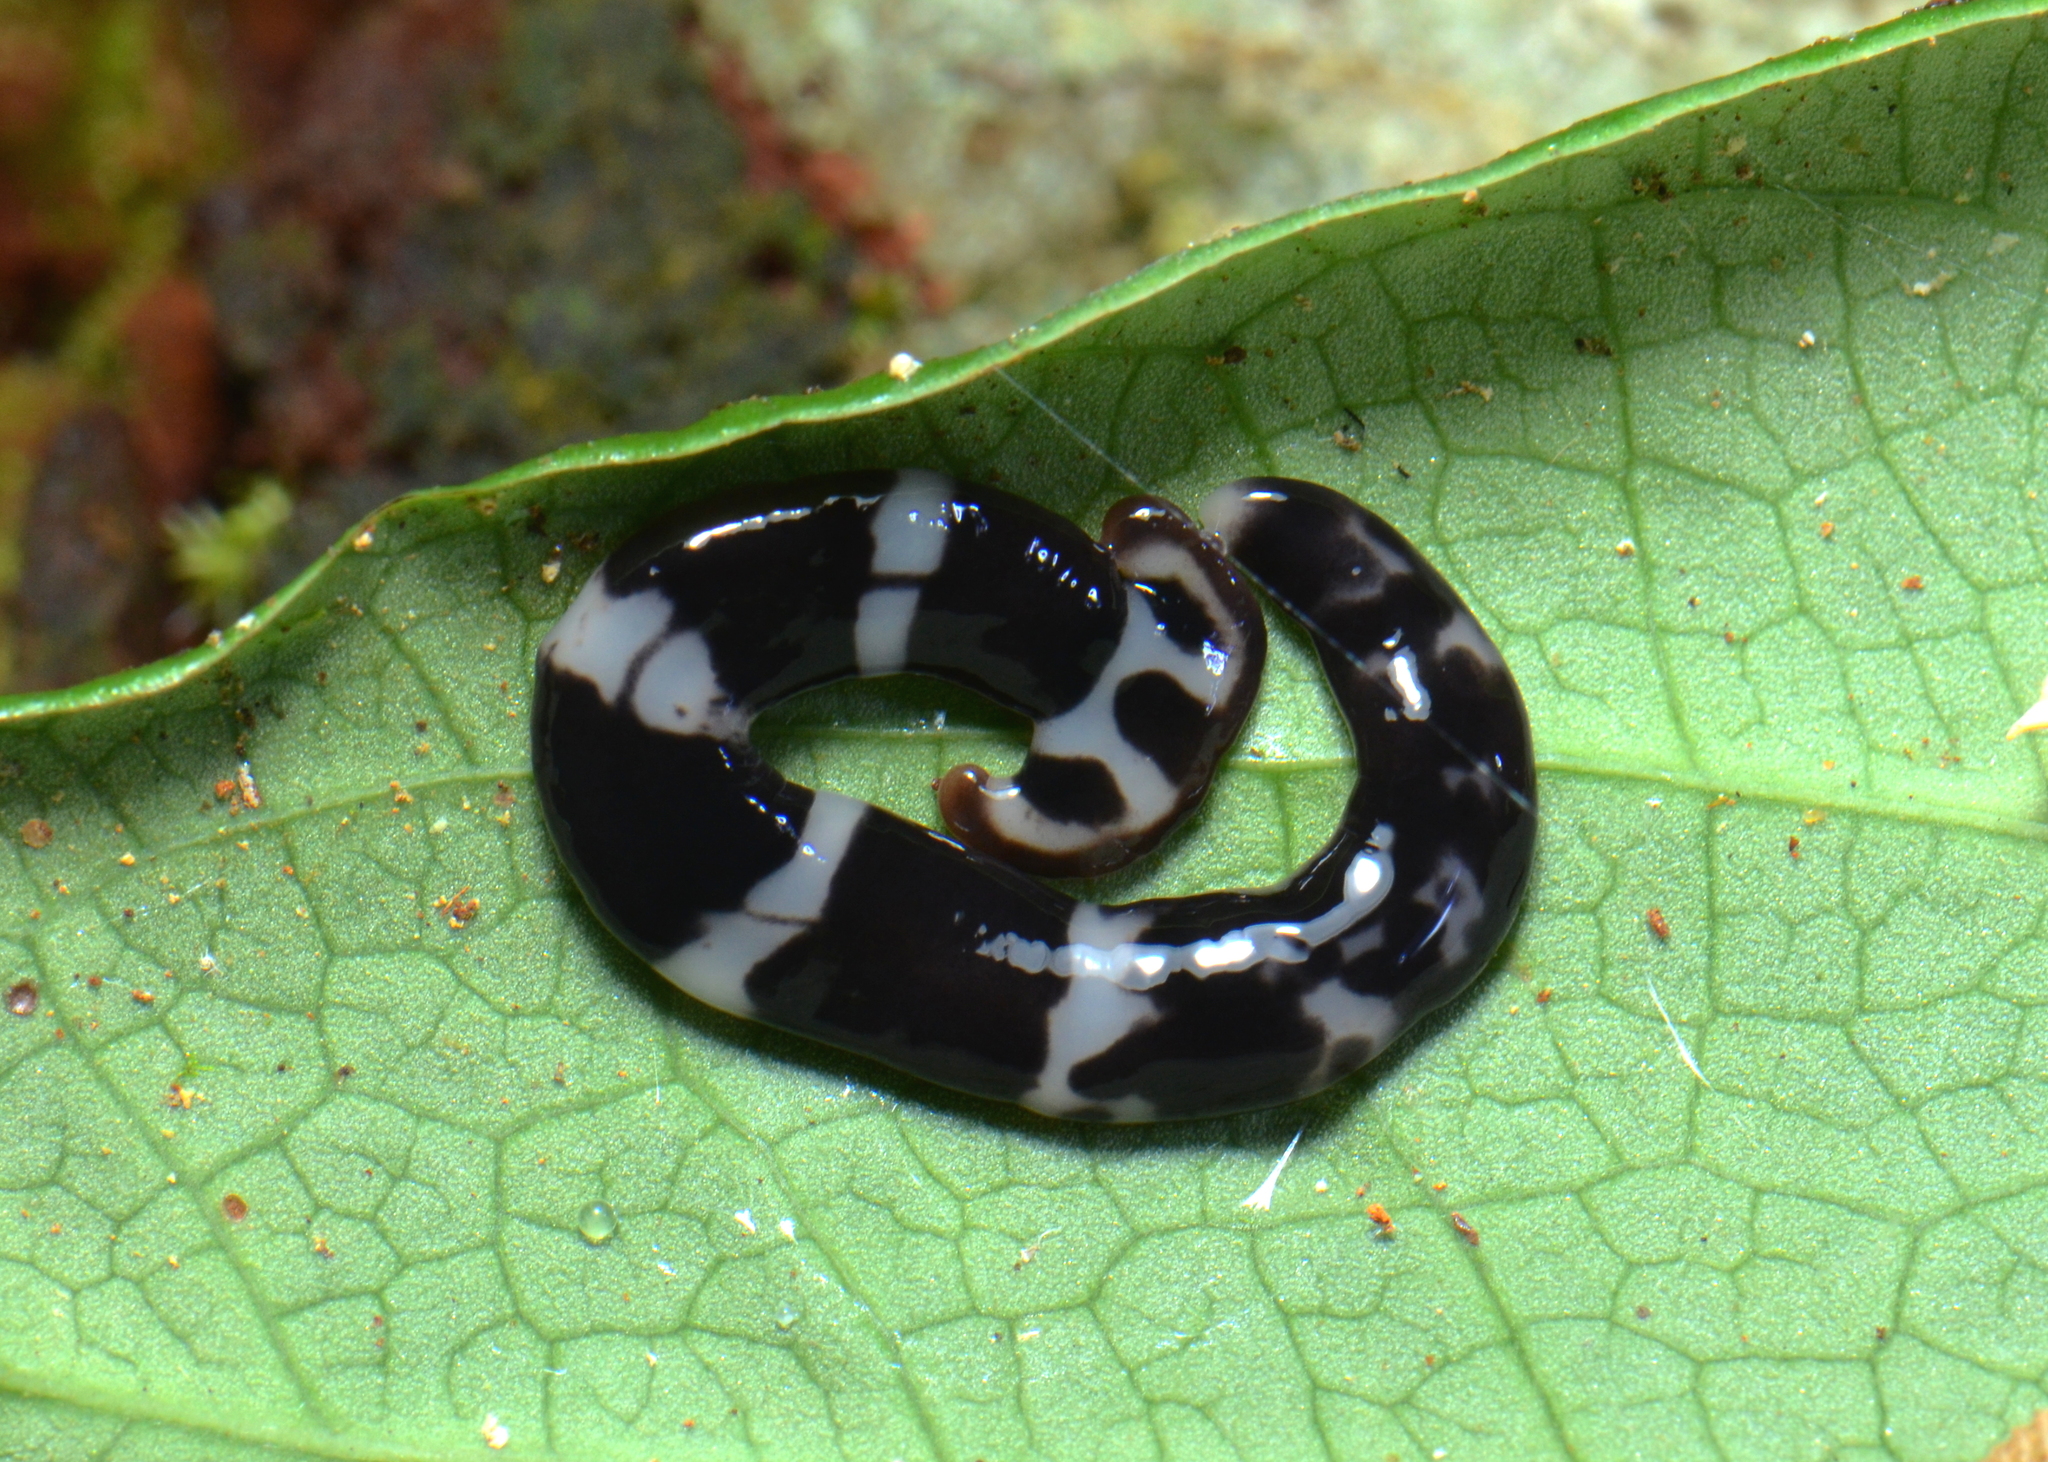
[218, 557]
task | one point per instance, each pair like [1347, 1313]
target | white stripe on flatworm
[1462, 632]
[799, 888]
[1345, 1013]
[909, 530]
[601, 634]
[678, 691]
[1090, 1018]
[881, 629]
[715, 965]
[910, 525]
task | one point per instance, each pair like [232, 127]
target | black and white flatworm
[1136, 662]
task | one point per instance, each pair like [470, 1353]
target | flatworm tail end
[1438, 723]
[1236, 1000]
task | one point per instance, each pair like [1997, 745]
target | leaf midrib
[1913, 811]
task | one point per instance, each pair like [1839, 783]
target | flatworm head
[1106, 778]
[1136, 662]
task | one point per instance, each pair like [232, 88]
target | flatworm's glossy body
[826, 916]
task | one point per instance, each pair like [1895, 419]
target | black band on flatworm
[1137, 662]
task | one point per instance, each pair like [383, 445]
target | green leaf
[295, 1151]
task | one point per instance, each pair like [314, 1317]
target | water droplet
[786, 1317]
[597, 1222]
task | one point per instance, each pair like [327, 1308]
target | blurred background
[265, 263]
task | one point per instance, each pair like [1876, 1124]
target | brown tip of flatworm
[956, 789]
[961, 792]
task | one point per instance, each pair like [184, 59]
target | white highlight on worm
[1407, 680]
[1142, 966]
[1262, 1196]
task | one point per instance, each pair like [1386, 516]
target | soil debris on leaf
[460, 908]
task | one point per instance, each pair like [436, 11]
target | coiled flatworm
[1136, 660]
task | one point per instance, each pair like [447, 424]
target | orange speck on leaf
[460, 908]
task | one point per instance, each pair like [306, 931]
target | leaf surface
[1722, 411]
